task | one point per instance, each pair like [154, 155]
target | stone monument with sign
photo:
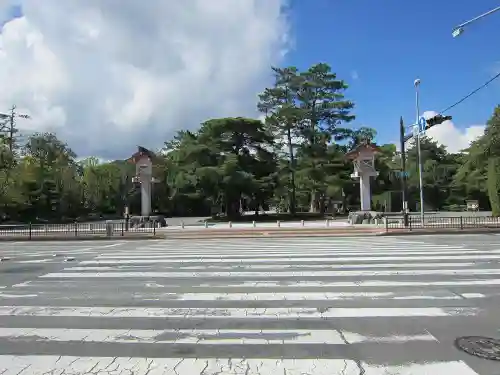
[143, 160]
[363, 158]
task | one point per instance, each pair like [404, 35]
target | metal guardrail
[434, 222]
[109, 229]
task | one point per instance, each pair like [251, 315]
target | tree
[476, 175]
[307, 108]
[494, 184]
[323, 109]
[293, 160]
[227, 164]
[283, 117]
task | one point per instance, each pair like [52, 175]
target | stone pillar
[363, 158]
[365, 192]
[145, 195]
[144, 176]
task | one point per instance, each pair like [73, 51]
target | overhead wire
[471, 93]
[496, 76]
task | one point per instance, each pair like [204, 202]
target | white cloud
[355, 75]
[453, 138]
[107, 75]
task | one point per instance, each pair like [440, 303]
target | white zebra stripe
[211, 337]
[228, 313]
[31, 365]
[330, 258]
[285, 274]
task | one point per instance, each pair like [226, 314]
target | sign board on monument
[144, 166]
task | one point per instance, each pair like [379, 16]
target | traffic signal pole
[404, 186]
[403, 138]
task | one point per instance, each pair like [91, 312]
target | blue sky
[389, 43]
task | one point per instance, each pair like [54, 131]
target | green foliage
[293, 161]
[494, 184]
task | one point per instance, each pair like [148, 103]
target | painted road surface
[350, 306]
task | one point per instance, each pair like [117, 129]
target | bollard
[230, 224]
[302, 222]
[206, 224]
[182, 224]
[278, 223]
[327, 222]
[109, 228]
[253, 223]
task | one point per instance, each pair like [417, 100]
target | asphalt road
[371, 305]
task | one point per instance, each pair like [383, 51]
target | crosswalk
[50, 252]
[295, 306]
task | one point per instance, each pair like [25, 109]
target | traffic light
[436, 120]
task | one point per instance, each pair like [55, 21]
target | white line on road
[332, 258]
[30, 365]
[235, 251]
[276, 267]
[228, 313]
[339, 284]
[64, 284]
[211, 337]
[255, 297]
[446, 295]
[350, 273]
[351, 247]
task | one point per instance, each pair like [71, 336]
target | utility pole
[404, 187]
[403, 138]
[419, 154]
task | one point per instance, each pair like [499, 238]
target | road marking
[331, 258]
[278, 267]
[227, 313]
[47, 260]
[287, 247]
[474, 295]
[446, 295]
[285, 274]
[270, 296]
[211, 337]
[220, 366]
[167, 253]
[7, 295]
[64, 284]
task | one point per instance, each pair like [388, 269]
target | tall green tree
[227, 164]
[323, 110]
[477, 175]
[283, 117]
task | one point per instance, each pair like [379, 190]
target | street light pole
[458, 30]
[421, 187]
